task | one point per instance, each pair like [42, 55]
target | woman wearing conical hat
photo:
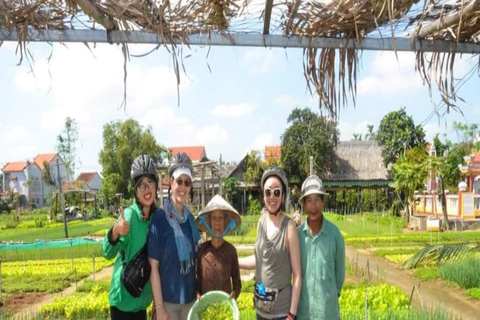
[217, 260]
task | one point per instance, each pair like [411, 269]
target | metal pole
[0, 279]
[93, 259]
[161, 189]
[243, 40]
[62, 199]
[311, 165]
[220, 186]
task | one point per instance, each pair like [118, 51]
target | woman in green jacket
[129, 236]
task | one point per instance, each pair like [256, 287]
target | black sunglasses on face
[277, 192]
[187, 183]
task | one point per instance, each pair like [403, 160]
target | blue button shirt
[176, 287]
[323, 272]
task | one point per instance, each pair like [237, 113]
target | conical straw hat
[218, 203]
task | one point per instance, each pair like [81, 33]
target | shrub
[254, 206]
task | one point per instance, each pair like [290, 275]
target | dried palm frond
[349, 19]
[457, 21]
[442, 252]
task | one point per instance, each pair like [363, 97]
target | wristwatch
[291, 316]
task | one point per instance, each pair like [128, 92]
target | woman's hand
[199, 297]
[161, 314]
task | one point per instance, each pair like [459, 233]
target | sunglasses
[277, 192]
[181, 182]
[146, 185]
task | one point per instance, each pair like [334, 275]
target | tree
[1, 181]
[110, 184]
[396, 134]
[466, 133]
[122, 143]
[66, 146]
[371, 135]
[230, 188]
[254, 169]
[410, 174]
[357, 137]
[308, 135]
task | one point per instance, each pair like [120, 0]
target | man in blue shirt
[322, 251]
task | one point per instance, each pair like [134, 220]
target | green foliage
[122, 143]
[231, 188]
[464, 273]
[396, 133]
[78, 251]
[411, 172]
[88, 285]
[76, 228]
[382, 297]
[426, 273]
[451, 175]
[442, 252]
[466, 133]
[66, 146]
[216, 311]
[255, 208]
[474, 293]
[308, 135]
[47, 174]
[254, 169]
[110, 184]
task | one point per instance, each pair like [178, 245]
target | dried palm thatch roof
[359, 160]
[330, 72]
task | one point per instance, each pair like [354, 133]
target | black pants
[117, 314]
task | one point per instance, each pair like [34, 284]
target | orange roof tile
[42, 157]
[85, 177]
[273, 152]
[14, 166]
[195, 153]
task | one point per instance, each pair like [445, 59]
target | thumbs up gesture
[122, 227]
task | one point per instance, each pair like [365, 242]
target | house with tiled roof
[273, 153]
[26, 178]
[92, 180]
[196, 153]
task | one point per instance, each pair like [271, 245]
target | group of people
[299, 272]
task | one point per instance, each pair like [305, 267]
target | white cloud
[434, 127]
[259, 144]
[347, 129]
[391, 76]
[15, 145]
[258, 61]
[212, 134]
[234, 110]
[15, 134]
[286, 101]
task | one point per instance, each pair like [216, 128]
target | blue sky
[242, 104]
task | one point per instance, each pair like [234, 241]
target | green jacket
[119, 297]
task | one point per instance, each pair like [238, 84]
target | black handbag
[136, 273]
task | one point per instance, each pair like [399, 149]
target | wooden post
[203, 186]
[62, 200]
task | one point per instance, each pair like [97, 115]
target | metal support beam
[245, 40]
[267, 15]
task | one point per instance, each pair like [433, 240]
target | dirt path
[29, 308]
[431, 294]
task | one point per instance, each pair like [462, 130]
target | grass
[78, 251]
[426, 273]
[464, 273]
[76, 228]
